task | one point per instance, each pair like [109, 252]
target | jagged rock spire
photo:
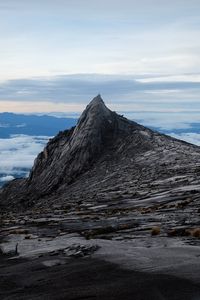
[71, 153]
[74, 151]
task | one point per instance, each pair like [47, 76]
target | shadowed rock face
[102, 151]
[72, 152]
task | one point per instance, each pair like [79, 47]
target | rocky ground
[87, 279]
[173, 212]
[110, 210]
[149, 249]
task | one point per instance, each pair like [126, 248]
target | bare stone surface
[110, 177]
[112, 184]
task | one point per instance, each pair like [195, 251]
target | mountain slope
[105, 157]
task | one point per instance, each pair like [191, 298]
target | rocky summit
[105, 196]
[114, 170]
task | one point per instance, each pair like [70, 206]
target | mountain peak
[73, 152]
[96, 103]
[101, 143]
[97, 100]
[95, 112]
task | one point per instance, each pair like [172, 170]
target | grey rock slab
[173, 259]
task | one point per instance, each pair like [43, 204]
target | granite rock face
[72, 152]
[104, 159]
[111, 189]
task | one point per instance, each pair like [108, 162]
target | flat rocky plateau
[88, 279]
[67, 266]
[110, 211]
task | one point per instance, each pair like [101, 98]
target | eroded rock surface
[111, 178]
[111, 189]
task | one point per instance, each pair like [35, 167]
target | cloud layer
[79, 88]
[163, 101]
[17, 154]
[190, 137]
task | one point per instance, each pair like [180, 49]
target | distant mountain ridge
[11, 124]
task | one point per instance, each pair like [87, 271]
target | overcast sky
[140, 55]
[143, 56]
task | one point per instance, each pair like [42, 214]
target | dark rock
[77, 250]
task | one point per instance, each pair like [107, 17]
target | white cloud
[6, 178]
[17, 153]
[169, 121]
[190, 137]
[172, 78]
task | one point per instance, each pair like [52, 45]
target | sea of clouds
[190, 137]
[17, 155]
